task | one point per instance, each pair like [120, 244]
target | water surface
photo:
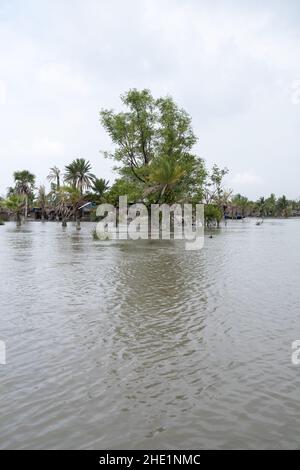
[146, 345]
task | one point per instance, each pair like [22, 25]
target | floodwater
[146, 345]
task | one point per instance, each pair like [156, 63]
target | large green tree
[124, 187]
[153, 141]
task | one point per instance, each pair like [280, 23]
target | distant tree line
[263, 207]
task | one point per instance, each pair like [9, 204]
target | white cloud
[3, 92]
[62, 79]
[246, 178]
[229, 64]
[44, 147]
[295, 91]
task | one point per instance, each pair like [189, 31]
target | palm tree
[68, 202]
[24, 185]
[271, 205]
[42, 200]
[54, 176]
[241, 203]
[99, 187]
[261, 206]
[76, 200]
[63, 204]
[10, 191]
[221, 200]
[165, 173]
[79, 175]
[283, 206]
[15, 204]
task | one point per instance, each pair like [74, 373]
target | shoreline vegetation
[153, 153]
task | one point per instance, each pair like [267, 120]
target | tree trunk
[18, 219]
[78, 221]
[64, 222]
[26, 206]
[162, 193]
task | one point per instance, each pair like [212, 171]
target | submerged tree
[24, 185]
[15, 204]
[212, 214]
[241, 203]
[68, 202]
[214, 188]
[261, 206]
[270, 205]
[76, 201]
[283, 207]
[42, 200]
[63, 204]
[215, 193]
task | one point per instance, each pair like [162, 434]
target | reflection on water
[146, 345]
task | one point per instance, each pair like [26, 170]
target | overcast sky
[233, 65]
